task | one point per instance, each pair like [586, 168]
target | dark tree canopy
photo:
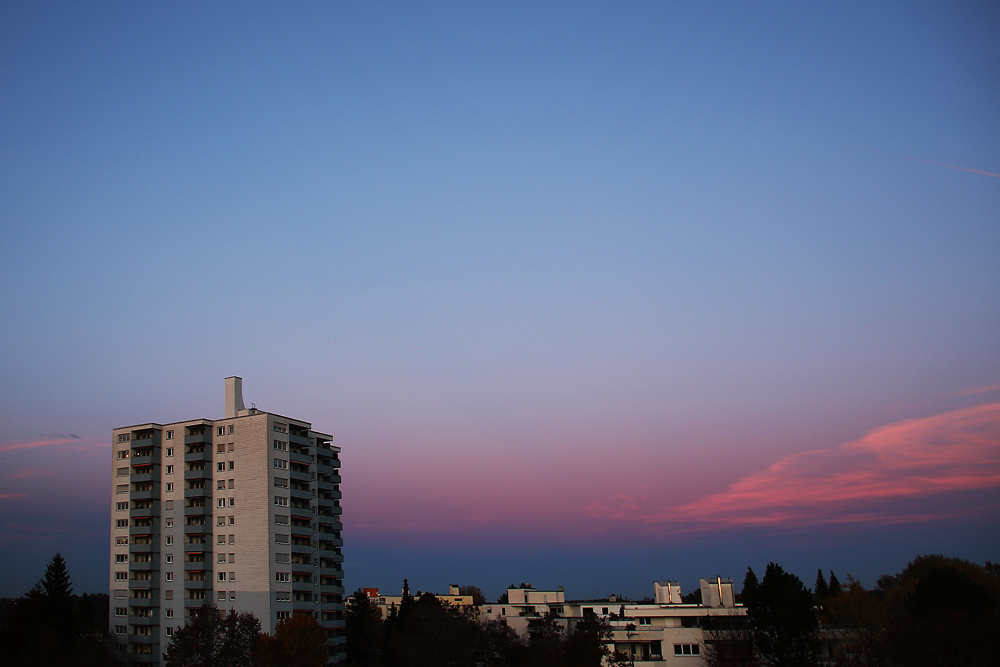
[834, 585]
[782, 622]
[210, 639]
[820, 589]
[57, 583]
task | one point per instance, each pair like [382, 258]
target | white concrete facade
[241, 512]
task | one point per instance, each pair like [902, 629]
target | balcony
[152, 547]
[204, 492]
[204, 473]
[204, 456]
[141, 639]
[142, 495]
[148, 566]
[198, 529]
[198, 510]
[197, 566]
[301, 440]
[203, 585]
[199, 438]
[146, 475]
[298, 457]
[142, 620]
[135, 531]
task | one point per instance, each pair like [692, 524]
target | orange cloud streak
[871, 480]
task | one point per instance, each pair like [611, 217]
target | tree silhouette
[782, 622]
[820, 589]
[834, 585]
[210, 639]
[364, 630]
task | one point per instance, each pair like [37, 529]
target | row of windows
[222, 558]
[222, 502]
[221, 465]
[280, 446]
[222, 539]
[687, 649]
[221, 484]
[221, 430]
[222, 576]
[222, 595]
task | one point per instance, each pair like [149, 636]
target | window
[221, 447]
[220, 466]
[281, 502]
[123, 437]
[222, 502]
[232, 576]
[121, 629]
[232, 520]
[221, 520]
[222, 577]
[168, 559]
[232, 558]
[170, 486]
[121, 523]
[280, 428]
[222, 539]
[232, 502]
[232, 539]
[121, 611]
[169, 576]
[231, 446]
[232, 595]
[283, 596]
[121, 472]
[232, 484]
[170, 450]
[121, 576]
[123, 454]
[121, 593]
[279, 519]
[282, 615]
[221, 484]
[281, 558]
[221, 558]
[170, 470]
[168, 540]
[232, 465]
[170, 436]
[687, 649]
[169, 504]
[229, 430]
[121, 488]
[121, 507]
[169, 613]
[280, 539]
[281, 482]
[282, 577]
[220, 430]
[280, 465]
[222, 594]
[168, 523]
[281, 446]
[169, 631]
[645, 620]
[121, 558]
[121, 541]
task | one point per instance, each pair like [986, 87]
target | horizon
[588, 295]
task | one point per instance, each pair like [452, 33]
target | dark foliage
[364, 629]
[782, 623]
[820, 589]
[212, 639]
[298, 641]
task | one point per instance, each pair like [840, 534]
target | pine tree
[834, 585]
[56, 583]
[820, 590]
[749, 587]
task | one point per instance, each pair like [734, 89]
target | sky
[590, 294]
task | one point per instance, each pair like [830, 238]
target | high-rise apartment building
[241, 512]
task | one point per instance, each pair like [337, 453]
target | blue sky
[549, 273]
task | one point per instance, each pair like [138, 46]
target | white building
[241, 512]
[664, 633]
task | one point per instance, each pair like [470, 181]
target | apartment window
[168, 540]
[645, 620]
[687, 649]
[121, 523]
[170, 470]
[121, 488]
[169, 504]
[280, 428]
[280, 464]
[170, 436]
[169, 631]
[282, 615]
[283, 596]
[121, 593]
[121, 558]
[221, 520]
[232, 558]
[232, 539]
[170, 450]
[231, 446]
[222, 594]
[232, 465]
[281, 558]
[220, 466]
[121, 541]
[121, 629]
[168, 523]
[222, 577]
[281, 482]
[221, 484]
[232, 595]
[221, 447]
[168, 576]
[232, 502]
[281, 446]
[121, 611]
[220, 430]
[282, 577]
[123, 437]
[232, 484]
[168, 559]
[281, 502]
[121, 507]
[232, 576]
[121, 472]
[280, 539]
[123, 454]
[222, 539]
[170, 486]
[121, 576]
[232, 520]
[169, 613]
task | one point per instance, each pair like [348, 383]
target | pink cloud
[979, 390]
[886, 477]
[4, 496]
[40, 443]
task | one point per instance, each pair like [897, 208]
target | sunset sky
[589, 294]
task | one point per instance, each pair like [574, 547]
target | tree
[586, 645]
[821, 590]
[834, 585]
[781, 618]
[210, 639]
[57, 583]
[749, 587]
[477, 594]
[364, 630]
[298, 641]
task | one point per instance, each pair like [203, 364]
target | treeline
[424, 632]
[937, 611]
[51, 627]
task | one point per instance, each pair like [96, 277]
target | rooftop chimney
[234, 396]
